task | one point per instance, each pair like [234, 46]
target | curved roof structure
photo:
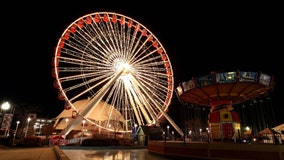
[98, 113]
[220, 88]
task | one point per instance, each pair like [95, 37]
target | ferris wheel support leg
[173, 123]
[161, 110]
[93, 103]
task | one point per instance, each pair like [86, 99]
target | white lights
[5, 106]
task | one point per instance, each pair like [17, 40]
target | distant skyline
[198, 38]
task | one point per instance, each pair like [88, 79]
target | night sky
[198, 38]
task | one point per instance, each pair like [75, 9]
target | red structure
[220, 91]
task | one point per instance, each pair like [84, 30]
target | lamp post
[207, 129]
[15, 134]
[168, 131]
[135, 132]
[83, 123]
[189, 133]
[66, 123]
[29, 119]
[108, 133]
[200, 134]
[5, 106]
[40, 127]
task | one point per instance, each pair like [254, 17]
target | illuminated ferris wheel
[111, 58]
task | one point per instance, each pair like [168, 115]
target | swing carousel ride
[220, 91]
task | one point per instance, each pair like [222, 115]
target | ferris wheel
[111, 58]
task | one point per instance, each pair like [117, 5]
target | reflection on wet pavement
[111, 154]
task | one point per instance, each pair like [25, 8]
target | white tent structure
[280, 129]
[267, 135]
[103, 114]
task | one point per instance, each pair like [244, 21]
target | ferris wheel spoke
[139, 99]
[159, 96]
[81, 91]
[102, 31]
[146, 88]
[95, 43]
[119, 39]
[113, 35]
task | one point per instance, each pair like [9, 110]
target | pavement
[32, 153]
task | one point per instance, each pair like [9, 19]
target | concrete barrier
[228, 151]
[60, 154]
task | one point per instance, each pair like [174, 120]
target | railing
[63, 142]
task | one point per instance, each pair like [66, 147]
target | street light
[84, 121]
[29, 119]
[40, 127]
[135, 132]
[135, 125]
[168, 131]
[200, 134]
[66, 120]
[247, 128]
[66, 123]
[208, 134]
[5, 106]
[15, 134]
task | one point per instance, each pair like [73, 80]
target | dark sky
[199, 38]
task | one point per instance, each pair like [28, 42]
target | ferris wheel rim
[108, 15]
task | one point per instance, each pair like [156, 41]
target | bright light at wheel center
[120, 65]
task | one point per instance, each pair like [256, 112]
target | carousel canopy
[225, 88]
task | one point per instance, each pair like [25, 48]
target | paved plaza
[37, 153]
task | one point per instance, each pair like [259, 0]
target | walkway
[36, 153]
